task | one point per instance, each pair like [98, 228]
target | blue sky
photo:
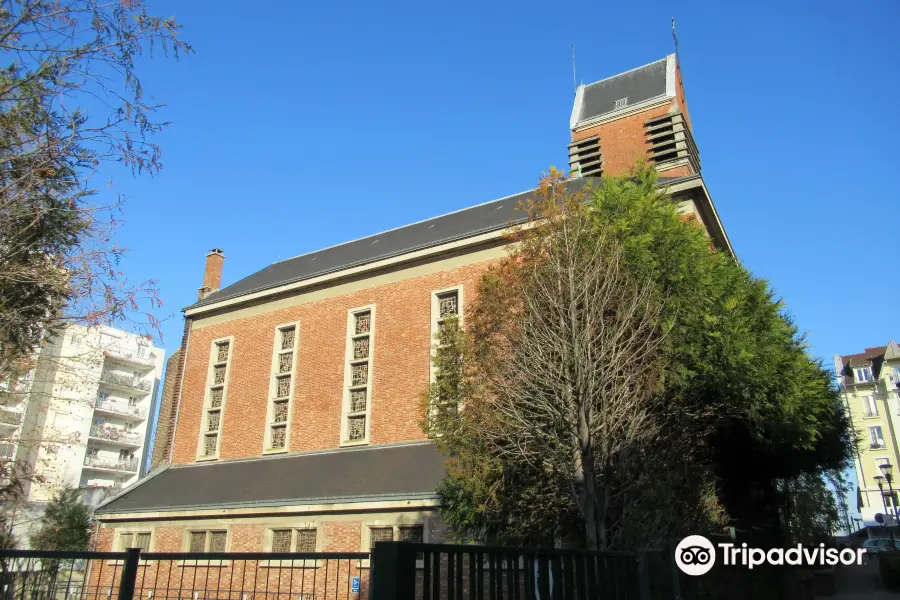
[316, 123]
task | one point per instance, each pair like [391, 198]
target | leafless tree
[573, 376]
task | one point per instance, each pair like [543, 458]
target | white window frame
[870, 406]
[366, 536]
[348, 376]
[864, 371]
[186, 545]
[881, 443]
[273, 387]
[293, 527]
[128, 531]
[117, 542]
[436, 318]
[435, 327]
[207, 396]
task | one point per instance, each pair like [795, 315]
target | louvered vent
[670, 139]
[585, 159]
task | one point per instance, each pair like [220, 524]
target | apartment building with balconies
[870, 389]
[84, 420]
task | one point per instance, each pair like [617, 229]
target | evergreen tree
[65, 525]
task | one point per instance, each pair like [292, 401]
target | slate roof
[458, 225]
[872, 357]
[376, 472]
[637, 85]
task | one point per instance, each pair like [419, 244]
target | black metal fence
[396, 571]
[406, 571]
[132, 575]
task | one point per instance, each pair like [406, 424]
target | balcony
[126, 382]
[120, 409]
[7, 452]
[10, 418]
[93, 495]
[131, 358]
[129, 465]
[115, 435]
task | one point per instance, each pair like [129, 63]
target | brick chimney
[212, 275]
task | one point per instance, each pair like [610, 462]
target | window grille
[381, 534]
[282, 378]
[361, 348]
[357, 428]
[363, 323]
[217, 541]
[207, 541]
[287, 339]
[209, 445]
[215, 397]
[306, 540]
[448, 305]
[411, 534]
[213, 410]
[284, 362]
[278, 437]
[222, 355]
[360, 374]
[281, 540]
[359, 359]
[358, 401]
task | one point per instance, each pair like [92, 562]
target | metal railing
[130, 464]
[115, 434]
[409, 571]
[132, 357]
[120, 408]
[133, 575]
[127, 381]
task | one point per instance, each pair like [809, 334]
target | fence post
[673, 568]
[392, 571]
[643, 576]
[129, 574]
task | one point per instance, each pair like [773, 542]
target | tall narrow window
[446, 312]
[358, 375]
[870, 407]
[875, 437]
[281, 388]
[216, 395]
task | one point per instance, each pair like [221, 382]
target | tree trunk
[587, 492]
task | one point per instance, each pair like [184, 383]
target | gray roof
[636, 85]
[439, 230]
[375, 472]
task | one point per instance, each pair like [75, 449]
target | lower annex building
[291, 421]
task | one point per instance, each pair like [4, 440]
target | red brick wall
[679, 95]
[622, 141]
[401, 363]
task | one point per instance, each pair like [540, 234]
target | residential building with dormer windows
[869, 383]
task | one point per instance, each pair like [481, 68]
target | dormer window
[863, 374]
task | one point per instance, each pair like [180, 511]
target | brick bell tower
[641, 113]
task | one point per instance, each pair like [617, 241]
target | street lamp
[880, 480]
[887, 470]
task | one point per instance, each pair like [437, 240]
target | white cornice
[621, 114]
